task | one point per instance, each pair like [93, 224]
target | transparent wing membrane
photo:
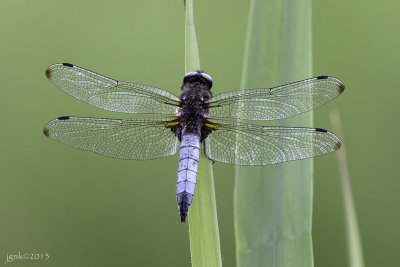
[248, 144]
[229, 141]
[278, 102]
[109, 94]
[140, 139]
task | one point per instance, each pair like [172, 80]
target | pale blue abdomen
[189, 154]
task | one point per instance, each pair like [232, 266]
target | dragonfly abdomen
[187, 171]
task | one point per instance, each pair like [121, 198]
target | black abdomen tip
[183, 217]
[68, 65]
[183, 210]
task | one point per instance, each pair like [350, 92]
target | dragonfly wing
[109, 94]
[277, 102]
[141, 139]
[249, 144]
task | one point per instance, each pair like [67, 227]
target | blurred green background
[87, 210]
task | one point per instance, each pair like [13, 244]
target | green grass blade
[203, 224]
[273, 204]
[354, 248]
[192, 61]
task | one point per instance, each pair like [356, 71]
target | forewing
[141, 139]
[278, 102]
[249, 144]
[109, 94]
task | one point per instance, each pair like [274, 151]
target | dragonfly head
[198, 76]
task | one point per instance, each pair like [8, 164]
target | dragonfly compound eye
[198, 76]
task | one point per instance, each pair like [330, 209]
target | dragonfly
[194, 123]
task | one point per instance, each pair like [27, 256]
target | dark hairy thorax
[193, 111]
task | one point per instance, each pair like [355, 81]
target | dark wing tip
[48, 73]
[46, 132]
[341, 88]
[63, 118]
[337, 146]
[68, 65]
[321, 130]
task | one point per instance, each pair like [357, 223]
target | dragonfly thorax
[193, 109]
